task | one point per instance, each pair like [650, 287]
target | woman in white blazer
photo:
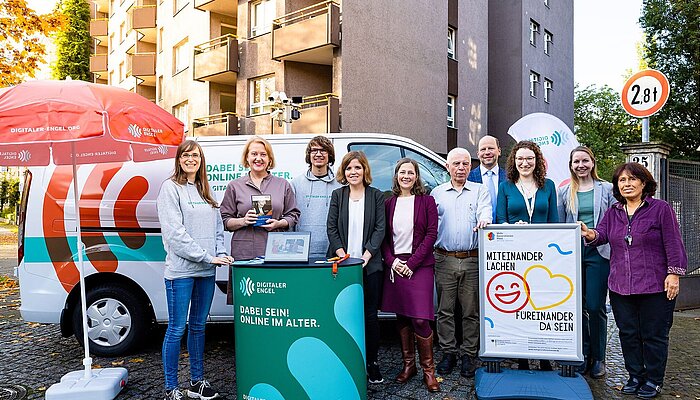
[586, 198]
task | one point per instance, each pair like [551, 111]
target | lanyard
[529, 202]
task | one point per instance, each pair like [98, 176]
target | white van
[124, 252]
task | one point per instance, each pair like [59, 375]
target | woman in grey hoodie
[193, 237]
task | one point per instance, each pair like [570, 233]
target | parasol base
[104, 384]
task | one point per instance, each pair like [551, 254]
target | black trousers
[373, 294]
[644, 321]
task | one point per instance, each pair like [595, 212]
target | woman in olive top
[527, 197]
[248, 241]
[356, 226]
[586, 198]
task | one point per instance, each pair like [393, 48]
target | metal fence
[684, 196]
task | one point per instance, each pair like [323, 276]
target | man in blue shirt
[488, 172]
[463, 208]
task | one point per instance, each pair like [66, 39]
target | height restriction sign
[645, 93]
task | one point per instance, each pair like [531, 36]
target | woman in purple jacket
[412, 222]
[647, 258]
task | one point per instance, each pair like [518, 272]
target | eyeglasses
[318, 151]
[521, 159]
[194, 156]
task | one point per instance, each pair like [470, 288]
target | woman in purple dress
[412, 222]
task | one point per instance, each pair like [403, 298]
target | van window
[432, 173]
[382, 160]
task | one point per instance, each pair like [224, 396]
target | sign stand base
[540, 385]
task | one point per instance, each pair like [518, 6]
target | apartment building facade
[531, 55]
[360, 66]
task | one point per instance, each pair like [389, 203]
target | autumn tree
[22, 32]
[73, 42]
[603, 125]
[672, 30]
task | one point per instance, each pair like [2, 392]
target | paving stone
[35, 356]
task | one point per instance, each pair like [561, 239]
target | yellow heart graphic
[551, 277]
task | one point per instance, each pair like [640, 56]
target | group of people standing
[414, 241]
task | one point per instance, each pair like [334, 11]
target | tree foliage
[73, 42]
[22, 31]
[672, 29]
[602, 124]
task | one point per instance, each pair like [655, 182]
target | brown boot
[427, 362]
[408, 351]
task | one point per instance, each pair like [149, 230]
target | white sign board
[530, 291]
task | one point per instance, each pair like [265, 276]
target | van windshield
[382, 161]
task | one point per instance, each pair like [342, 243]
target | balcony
[143, 20]
[319, 114]
[217, 60]
[308, 35]
[142, 66]
[98, 64]
[224, 7]
[224, 124]
[98, 29]
[100, 6]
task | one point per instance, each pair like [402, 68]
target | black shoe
[201, 390]
[468, 367]
[174, 394]
[631, 386]
[373, 373]
[545, 365]
[648, 391]
[585, 367]
[598, 369]
[523, 364]
[447, 364]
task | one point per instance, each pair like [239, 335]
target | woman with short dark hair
[647, 257]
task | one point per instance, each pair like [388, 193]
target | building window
[548, 39]
[111, 78]
[534, 31]
[160, 40]
[451, 111]
[160, 88]
[111, 43]
[180, 112]
[534, 81]
[451, 44]
[121, 72]
[260, 91]
[181, 57]
[122, 32]
[179, 5]
[112, 7]
[261, 15]
[548, 87]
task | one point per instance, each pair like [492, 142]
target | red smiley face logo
[507, 292]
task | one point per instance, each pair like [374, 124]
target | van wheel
[117, 320]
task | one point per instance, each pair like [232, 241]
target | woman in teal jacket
[527, 197]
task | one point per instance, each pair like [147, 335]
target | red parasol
[76, 122]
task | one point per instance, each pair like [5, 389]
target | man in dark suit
[488, 172]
